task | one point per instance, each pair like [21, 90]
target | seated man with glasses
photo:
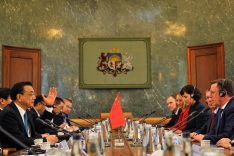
[222, 91]
[40, 110]
[59, 104]
[17, 120]
[210, 123]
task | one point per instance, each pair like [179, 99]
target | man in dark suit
[222, 91]
[58, 120]
[40, 110]
[171, 104]
[210, 123]
[17, 120]
[5, 98]
[57, 110]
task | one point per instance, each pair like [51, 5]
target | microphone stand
[58, 127]
[142, 117]
[16, 140]
[203, 111]
[85, 117]
[75, 122]
[71, 120]
[84, 120]
[93, 118]
[160, 121]
[147, 116]
[183, 120]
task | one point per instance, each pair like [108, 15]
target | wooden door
[205, 63]
[21, 64]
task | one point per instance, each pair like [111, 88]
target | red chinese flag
[116, 114]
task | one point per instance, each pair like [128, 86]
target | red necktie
[213, 116]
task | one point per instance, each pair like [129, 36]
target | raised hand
[51, 96]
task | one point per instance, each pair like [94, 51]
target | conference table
[126, 149]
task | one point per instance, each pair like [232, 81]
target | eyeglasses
[212, 92]
[30, 94]
[43, 103]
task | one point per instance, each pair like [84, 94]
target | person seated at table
[210, 123]
[222, 91]
[184, 113]
[5, 98]
[59, 104]
[17, 120]
[173, 107]
[59, 120]
[191, 96]
[40, 110]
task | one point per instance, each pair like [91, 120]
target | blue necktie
[65, 121]
[219, 116]
[26, 122]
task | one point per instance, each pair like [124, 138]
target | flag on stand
[116, 114]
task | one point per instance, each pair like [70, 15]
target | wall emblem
[115, 62]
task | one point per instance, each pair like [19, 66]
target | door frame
[6, 65]
[191, 64]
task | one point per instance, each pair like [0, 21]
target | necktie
[64, 120]
[219, 116]
[26, 122]
[212, 121]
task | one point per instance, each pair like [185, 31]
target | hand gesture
[51, 96]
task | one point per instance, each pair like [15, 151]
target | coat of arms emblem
[115, 62]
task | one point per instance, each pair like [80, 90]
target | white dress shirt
[22, 112]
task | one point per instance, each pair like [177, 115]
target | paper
[63, 145]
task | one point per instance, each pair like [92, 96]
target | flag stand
[119, 134]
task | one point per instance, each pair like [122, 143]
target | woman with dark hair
[191, 96]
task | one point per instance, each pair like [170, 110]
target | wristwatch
[231, 144]
[53, 106]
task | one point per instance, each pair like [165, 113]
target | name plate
[119, 144]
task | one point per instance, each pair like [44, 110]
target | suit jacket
[39, 127]
[58, 120]
[206, 128]
[199, 121]
[173, 120]
[225, 124]
[11, 121]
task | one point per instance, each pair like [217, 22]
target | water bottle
[76, 147]
[93, 147]
[186, 145]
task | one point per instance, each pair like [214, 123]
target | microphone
[203, 111]
[184, 119]
[142, 117]
[85, 117]
[163, 119]
[46, 124]
[85, 120]
[64, 130]
[92, 117]
[16, 140]
[70, 120]
[43, 122]
[147, 116]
